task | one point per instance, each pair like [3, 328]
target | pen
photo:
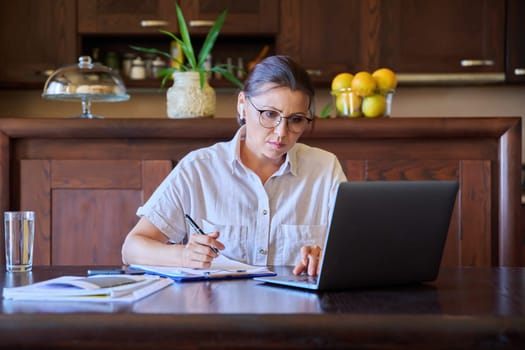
[199, 230]
[114, 271]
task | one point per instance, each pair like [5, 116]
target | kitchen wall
[409, 101]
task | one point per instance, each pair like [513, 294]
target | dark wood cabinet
[244, 16]
[36, 37]
[323, 35]
[103, 193]
[147, 16]
[116, 25]
[86, 178]
[515, 57]
[126, 17]
[411, 37]
[452, 36]
[458, 40]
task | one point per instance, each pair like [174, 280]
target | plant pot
[186, 99]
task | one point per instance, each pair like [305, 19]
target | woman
[262, 198]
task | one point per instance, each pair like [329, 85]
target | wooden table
[466, 308]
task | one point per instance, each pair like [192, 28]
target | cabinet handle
[45, 73]
[153, 23]
[476, 63]
[519, 71]
[314, 72]
[201, 23]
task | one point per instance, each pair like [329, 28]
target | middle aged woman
[262, 198]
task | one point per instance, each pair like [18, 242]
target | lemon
[364, 84]
[374, 106]
[342, 81]
[348, 104]
[386, 79]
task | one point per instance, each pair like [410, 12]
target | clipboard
[222, 268]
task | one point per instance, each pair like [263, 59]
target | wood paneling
[85, 208]
[89, 225]
[89, 176]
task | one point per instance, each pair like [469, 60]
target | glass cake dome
[85, 82]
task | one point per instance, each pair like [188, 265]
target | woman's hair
[282, 71]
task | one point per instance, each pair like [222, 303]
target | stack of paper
[122, 288]
[221, 268]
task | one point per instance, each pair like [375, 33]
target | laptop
[382, 233]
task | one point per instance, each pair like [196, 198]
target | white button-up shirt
[259, 224]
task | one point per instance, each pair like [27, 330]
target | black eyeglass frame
[281, 117]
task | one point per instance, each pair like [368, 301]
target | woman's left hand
[310, 261]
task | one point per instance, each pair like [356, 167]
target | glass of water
[19, 228]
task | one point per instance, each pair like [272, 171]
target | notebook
[101, 288]
[382, 233]
[221, 268]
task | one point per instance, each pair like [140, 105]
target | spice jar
[138, 69]
[157, 65]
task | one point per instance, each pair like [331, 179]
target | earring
[241, 111]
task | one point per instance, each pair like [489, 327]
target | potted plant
[191, 95]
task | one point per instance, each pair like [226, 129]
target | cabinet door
[244, 16]
[515, 65]
[126, 16]
[36, 37]
[323, 36]
[85, 208]
[454, 36]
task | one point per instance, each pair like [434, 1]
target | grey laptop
[382, 233]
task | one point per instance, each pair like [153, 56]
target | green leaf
[166, 71]
[325, 112]
[155, 51]
[186, 45]
[165, 80]
[209, 42]
[226, 73]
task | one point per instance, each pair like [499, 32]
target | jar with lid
[138, 69]
[157, 65]
[126, 63]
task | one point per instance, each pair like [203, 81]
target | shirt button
[265, 212]
[263, 251]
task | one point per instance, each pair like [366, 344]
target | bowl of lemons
[363, 94]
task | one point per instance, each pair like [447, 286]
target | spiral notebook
[221, 268]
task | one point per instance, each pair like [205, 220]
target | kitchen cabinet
[115, 25]
[85, 178]
[36, 37]
[323, 35]
[147, 16]
[126, 16]
[515, 58]
[244, 16]
[454, 36]
[86, 206]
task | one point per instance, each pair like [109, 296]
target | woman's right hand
[198, 252]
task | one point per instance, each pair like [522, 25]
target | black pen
[199, 230]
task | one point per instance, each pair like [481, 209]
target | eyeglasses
[269, 118]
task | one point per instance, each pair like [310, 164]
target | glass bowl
[85, 82]
[348, 104]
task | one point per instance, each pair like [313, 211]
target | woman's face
[272, 143]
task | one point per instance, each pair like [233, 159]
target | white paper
[219, 266]
[80, 288]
